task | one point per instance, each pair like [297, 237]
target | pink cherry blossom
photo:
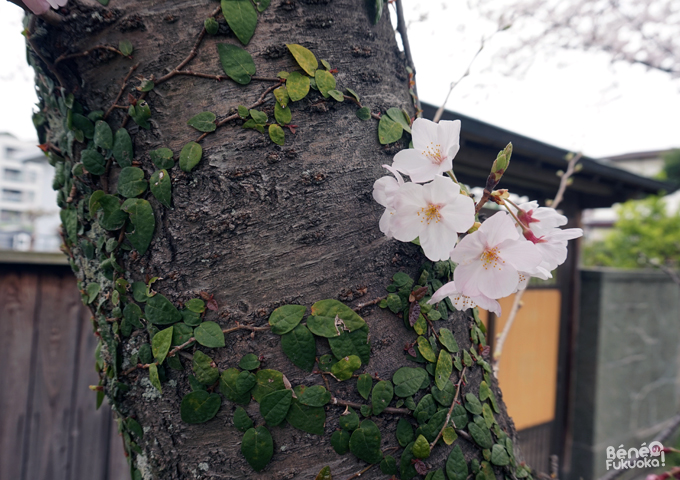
[463, 302]
[434, 146]
[540, 220]
[490, 259]
[384, 190]
[552, 246]
[40, 7]
[435, 213]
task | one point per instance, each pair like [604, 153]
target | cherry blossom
[552, 246]
[434, 146]
[463, 302]
[40, 7]
[435, 213]
[490, 259]
[383, 192]
[540, 220]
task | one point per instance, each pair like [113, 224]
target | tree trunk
[255, 224]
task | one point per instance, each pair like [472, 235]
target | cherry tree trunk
[253, 226]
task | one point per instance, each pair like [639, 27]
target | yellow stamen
[490, 258]
[434, 153]
[430, 213]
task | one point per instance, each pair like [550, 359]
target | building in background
[29, 217]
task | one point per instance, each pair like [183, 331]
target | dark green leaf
[241, 17]
[282, 115]
[352, 343]
[160, 311]
[467, 359]
[323, 326]
[425, 409]
[364, 385]
[131, 182]
[162, 158]
[459, 416]
[103, 136]
[375, 8]
[181, 333]
[255, 126]
[457, 363]
[276, 134]
[211, 26]
[488, 415]
[388, 466]
[389, 131]
[394, 303]
[125, 47]
[160, 344]
[314, 396]
[406, 468]
[122, 148]
[161, 187]
[209, 334]
[404, 432]
[141, 114]
[236, 62]
[257, 444]
[472, 404]
[345, 367]
[456, 466]
[267, 381]
[326, 362]
[258, 116]
[444, 396]
[132, 314]
[340, 441]
[204, 368]
[69, 218]
[480, 433]
[365, 442]
[307, 419]
[249, 362]
[443, 370]
[93, 162]
[299, 346]
[364, 113]
[366, 410]
[204, 121]
[332, 308]
[243, 112]
[92, 292]
[191, 318]
[408, 381]
[199, 406]
[190, 156]
[325, 81]
[241, 419]
[304, 58]
[274, 406]
[297, 86]
[349, 421]
[382, 396]
[143, 221]
[84, 124]
[262, 5]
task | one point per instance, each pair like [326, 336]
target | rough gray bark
[255, 224]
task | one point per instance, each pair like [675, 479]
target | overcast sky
[574, 100]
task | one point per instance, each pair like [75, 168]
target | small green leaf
[84, 124]
[69, 218]
[421, 447]
[345, 367]
[382, 396]
[141, 113]
[259, 117]
[160, 344]
[340, 441]
[267, 381]
[325, 81]
[332, 308]
[103, 136]
[425, 409]
[236, 62]
[488, 415]
[282, 115]
[467, 359]
[203, 122]
[443, 370]
[326, 362]
[314, 396]
[366, 410]
[388, 466]
[257, 445]
[456, 466]
[191, 318]
[297, 86]
[365, 442]
[132, 313]
[190, 156]
[444, 396]
[143, 221]
[131, 182]
[449, 435]
[276, 134]
[352, 343]
[459, 416]
[181, 333]
[426, 349]
[274, 406]
[480, 433]
[286, 318]
[323, 326]
[472, 404]
[93, 162]
[125, 47]
[160, 311]
[448, 340]
[281, 95]
[408, 381]
[404, 432]
[304, 58]
[350, 420]
[204, 368]
[375, 8]
[211, 26]
[153, 377]
[209, 334]
[162, 158]
[241, 17]
[389, 131]
[241, 419]
[195, 305]
[401, 117]
[243, 112]
[249, 362]
[364, 385]
[337, 95]
[364, 113]
[325, 472]
[146, 85]
[299, 346]
[161, 187]
[262, 5]
[252, 124]
[122, 148]
[307, 419]
[92, 292]
[457, 363]
[484, 391]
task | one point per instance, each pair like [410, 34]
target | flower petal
[413, 163]
[498, 228]
[437, 240]
[521, 254]
[469, 248]
[498, 282]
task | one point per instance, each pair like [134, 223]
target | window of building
[31, 176]
[10, 216]
[12, 175]
[11, 195]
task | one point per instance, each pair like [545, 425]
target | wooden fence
[49, 428]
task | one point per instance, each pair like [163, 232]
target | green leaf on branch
[93, 162]
[154, 378]
[480, 433]
[349, 421]
[325, 81]
[276, 134]
[352, 343]
[488, 415]
[297, 86]
[286, 318]
[262, 5]
[449, 435]
[209, 334]
[401, 117]
[125, 47]
[456, 466]
[405, 433]
[190, 156]
[236, 62]
[204, 369]
[408, 380]
[364, 385]
[484, 391]
[445, 395]
[82, 123]
[122, 148]
[365, 442]
[257, 445]
[314, 396]
[160, 344]
[332, 308]
[92, 292]
[281, 95]
[467, 359]
[425, 349]
[254, 125]
[161, 186]
[282, 115]
[162, 158]
[181, 333]
[241, 419]
[249, 361]
[241, 17]
[337, 95]
[382, 396]
[69, 218]
[459, 416]
[103, 136]
[243, 112]
[299, 346]
[274, 406]
[421, 447]
[258, 116]
[304, 58]
[267, 381]
[443, 370]
[448, 340]
[425, 409]
[131, 182]
[340, 441]
[324, 474]
[364, 113]
[345, 367]
[203, 122]
[307, 419]
[143, 221]
[323, 326]
[160, 311]
[389, 131]
[472, 404]
[211, 26]
[141, 113]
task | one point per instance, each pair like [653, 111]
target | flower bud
[500, 165]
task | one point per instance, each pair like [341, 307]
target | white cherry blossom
[435, 213]
[383, 192]
[434, 146]
[463, 302]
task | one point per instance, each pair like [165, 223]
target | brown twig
[571, 169]
[346, 403]
[120, 92]
[453, 404]
[367, 304]
[85, 53]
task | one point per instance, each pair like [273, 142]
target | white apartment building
[29, 216]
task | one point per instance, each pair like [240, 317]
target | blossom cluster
[494, 259]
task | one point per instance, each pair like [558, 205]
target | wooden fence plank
[18, 293]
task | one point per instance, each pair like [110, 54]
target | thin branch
[346, 403]
[453, 404]
[565, 180]
[120, 92]
[85, 53]
[246, 327]
[364, 305]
